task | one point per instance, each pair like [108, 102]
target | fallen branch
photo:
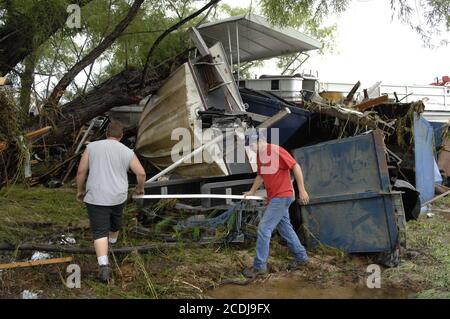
[60, 88]
[167, 32]
[188, 284]
[36, 263]
[82, 250]
[39, 179]
[349, 115]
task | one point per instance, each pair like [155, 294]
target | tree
[28, 24]
[309, 17]
[121, 88]
[124, 47]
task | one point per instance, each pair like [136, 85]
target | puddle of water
[292, 288]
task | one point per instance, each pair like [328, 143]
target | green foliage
[429, 18]
[60, 51]
[305, 15]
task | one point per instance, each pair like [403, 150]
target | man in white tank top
[107, 162]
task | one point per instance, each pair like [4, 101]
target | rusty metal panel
[351, 204]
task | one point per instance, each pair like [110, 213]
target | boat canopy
[251, 37]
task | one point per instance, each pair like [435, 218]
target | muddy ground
[188, 270]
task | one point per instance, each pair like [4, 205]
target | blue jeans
[276, 215]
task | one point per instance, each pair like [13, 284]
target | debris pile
[369, 160]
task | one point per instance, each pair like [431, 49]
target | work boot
[295, 264]
[104, 273]
[252, 273]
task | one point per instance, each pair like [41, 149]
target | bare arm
[298, 174]
[256, 184]
[83, 168]
[136, 168]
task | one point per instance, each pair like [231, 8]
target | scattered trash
[430, 215]
[53, 184]
[27, 294]
[67, 240]
[425, 209]
[37, 255]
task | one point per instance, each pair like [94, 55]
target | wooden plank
[38, 133]
[440, 210]
[3, 80]
[36, 263]
[352, 92]
[371, 103]
[436, 198]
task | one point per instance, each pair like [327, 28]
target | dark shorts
[104, 219]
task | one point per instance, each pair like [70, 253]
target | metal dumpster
[352, 206]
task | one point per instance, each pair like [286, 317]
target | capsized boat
[201, 94]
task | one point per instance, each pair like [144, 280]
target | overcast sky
[371, 47]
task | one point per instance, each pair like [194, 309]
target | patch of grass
[427, 270]
[23, 210]
[188, 270]
[433, 294]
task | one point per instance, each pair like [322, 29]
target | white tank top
[107, 183]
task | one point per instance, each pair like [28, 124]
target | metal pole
[229, 46]
[188, 156]
[182, 196]
[238, 54]
[80, 145]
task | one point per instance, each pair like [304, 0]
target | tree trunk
[26, 83]
[121, 89]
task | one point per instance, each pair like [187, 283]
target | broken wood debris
[33, 135]
[82, 250]
[41, 178]
[352, 92]
[350, 115]
[363, 106]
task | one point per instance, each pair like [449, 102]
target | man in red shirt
[274, 170]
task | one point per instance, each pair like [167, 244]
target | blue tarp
[424, 157]
[438, 128]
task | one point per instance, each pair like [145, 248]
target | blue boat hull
[290, 128]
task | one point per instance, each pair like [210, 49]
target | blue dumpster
[351, 205]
